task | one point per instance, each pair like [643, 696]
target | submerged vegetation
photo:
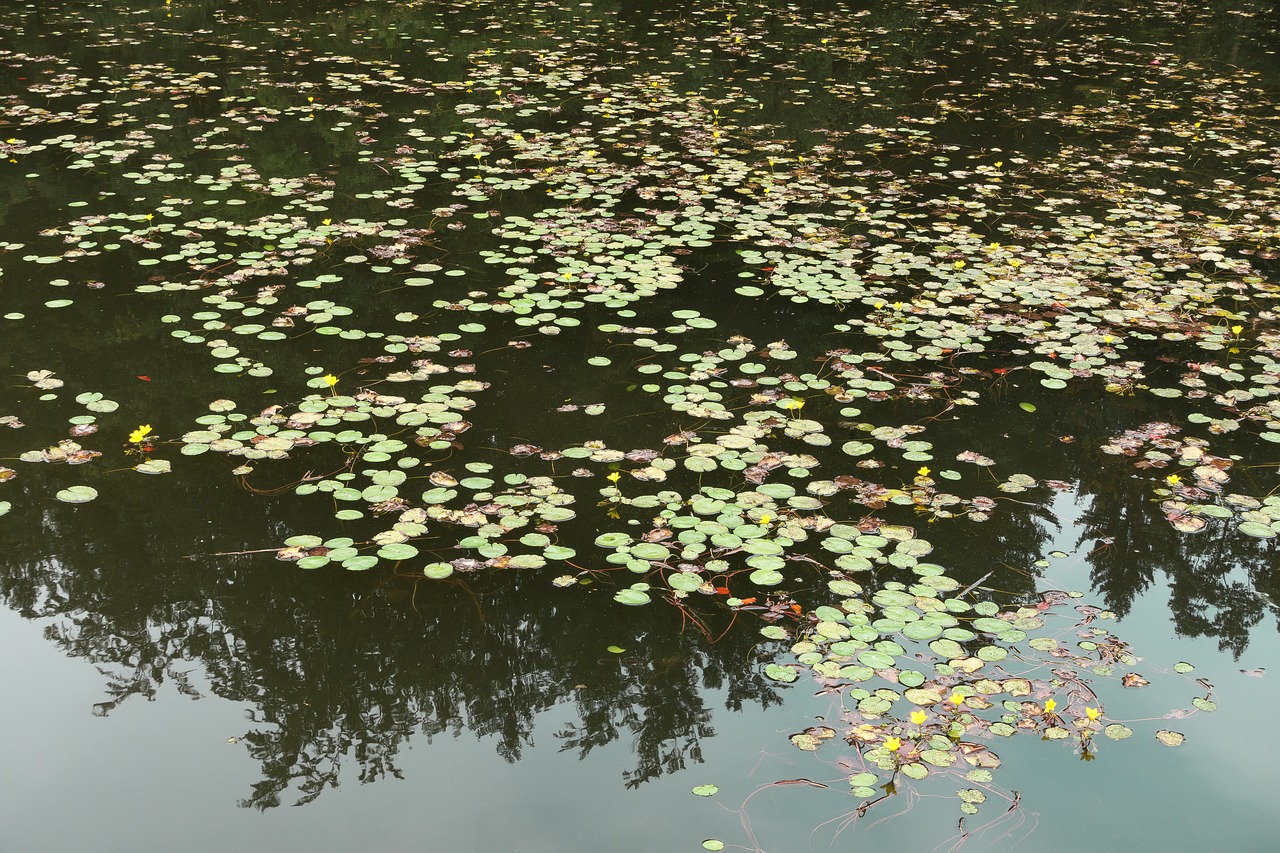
[746, 327]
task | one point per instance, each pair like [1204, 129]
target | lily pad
[631, 597]
[77, 494]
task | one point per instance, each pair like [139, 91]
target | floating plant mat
[511, 304]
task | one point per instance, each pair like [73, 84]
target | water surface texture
[608, 426]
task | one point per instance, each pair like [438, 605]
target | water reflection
[344, 670]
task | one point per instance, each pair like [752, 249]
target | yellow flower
[959, 265]
[923, 472]
[1235, 330]
[140, 434]
[766, 518]
[792, 404]
[613, 477]
[918, 717]
[956, 699]
[330, 380]
[1093, 713]
[892, 744]
[1015, 263]
[1049, 705]
[1173, 479]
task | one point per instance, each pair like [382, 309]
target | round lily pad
[397, 551]
[77, 494]
[631, 597]
[438, 571]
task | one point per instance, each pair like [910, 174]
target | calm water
[213, 205]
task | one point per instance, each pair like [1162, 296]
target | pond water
[541, 427]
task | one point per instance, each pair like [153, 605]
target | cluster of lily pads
[763, 331]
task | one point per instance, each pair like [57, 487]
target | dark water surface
[998, 280]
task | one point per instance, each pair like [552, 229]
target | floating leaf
[438, 571]
[1254, 528]
[631, 597]
[77, 494]
[1170, 738]
[397, 551]
[785, 674]
[915, 770]
[766, 577]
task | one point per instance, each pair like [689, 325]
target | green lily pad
[685, 581]
[77, 494]
[766, 577]
[875, 659]
[397, 551]
[631, 597]
[1254, 528]
[438, 571]
[922, 630]
[785, 674]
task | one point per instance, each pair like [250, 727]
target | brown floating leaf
[1132, 679]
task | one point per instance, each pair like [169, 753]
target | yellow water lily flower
[1093, 713]
[330, 380]
[1173, 479]
[766, 518]
[139, 435]
[918, 717]
[892, 744]
[613, 477]
[956, 699]
[923, 472]
[1049, 705]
